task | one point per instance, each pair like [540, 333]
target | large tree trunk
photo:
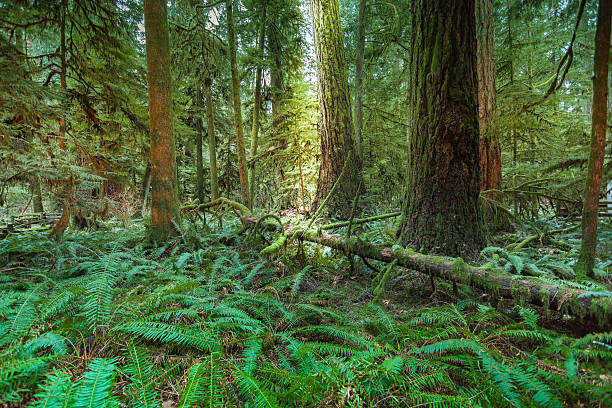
[256, 106]
[335, 121]
[598, 141]
[165, 206]
[359, 59]
[490, 151]
[440, 208]
[242, 169]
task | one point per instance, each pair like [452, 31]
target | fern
[194, 388]
[166, 333]
[252, 390]
[252, 351]
[56, 392]
[141, 373]
[213, 382]
[94, 390]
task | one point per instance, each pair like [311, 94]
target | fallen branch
[575, 302]
[360, 220]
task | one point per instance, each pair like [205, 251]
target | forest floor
[98, 319]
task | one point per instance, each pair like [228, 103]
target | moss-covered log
[575, 302]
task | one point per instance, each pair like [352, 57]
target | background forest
[221, 203]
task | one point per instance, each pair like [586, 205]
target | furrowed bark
[490, 150]
[164, 194]
[335, 116]
[586, 260]
[441, 212]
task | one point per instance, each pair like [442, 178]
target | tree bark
[165, 206]
[359, 60]
[440, 209]
[490, 151]
[256, 106]
[146, 185]
[335, 121]
[231, 40]
[586, 260]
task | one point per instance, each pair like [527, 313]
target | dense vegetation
[262, 203]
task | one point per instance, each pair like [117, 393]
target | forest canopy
[321, 203]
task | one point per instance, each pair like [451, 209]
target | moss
[461, 272]
[573, 307]
[274, 246]
[601, 308]
[544, 296]
[520, 292]
[490, 282]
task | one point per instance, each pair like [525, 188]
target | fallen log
[575, 302]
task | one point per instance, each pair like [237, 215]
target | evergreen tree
[165, 206]
[441, 212]
[598, 141]
[336, 129]
[231, 40]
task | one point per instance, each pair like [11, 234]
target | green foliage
[226, 329]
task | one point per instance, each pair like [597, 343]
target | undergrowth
[98, 320]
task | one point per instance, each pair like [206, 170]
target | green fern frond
[55, 392]
[51, 340]
[99, 297]
[141, 373]
[251, 353]
[213, 382]
[252, 390]
[194, 388]
[95, 389]
[172, 334]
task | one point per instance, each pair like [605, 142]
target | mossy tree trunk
[242, 167]
[440, 211]
[165, 206]
[490, 151]
[359, 60]
[335, 117]
[586, 259]
[257, 106]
